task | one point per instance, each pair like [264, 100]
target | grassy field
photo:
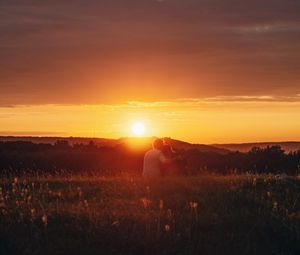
[186, 215]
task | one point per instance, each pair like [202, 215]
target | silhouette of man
[154, 159]
[176, 163]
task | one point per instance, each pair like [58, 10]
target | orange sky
[198, 70]
[198, 121]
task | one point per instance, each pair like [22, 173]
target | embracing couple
[160, 160]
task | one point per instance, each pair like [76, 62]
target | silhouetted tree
[62, 158]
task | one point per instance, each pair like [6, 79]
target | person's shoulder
[159, 153]
[153, 152]
[149, 152]
[156, 151]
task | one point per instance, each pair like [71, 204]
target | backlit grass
[185, 215]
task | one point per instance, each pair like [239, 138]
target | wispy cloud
[30, 133]
[75, 52]
[217, 99]
[178, 102]
[263, 98]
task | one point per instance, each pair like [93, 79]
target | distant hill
[135, 142]
[145, 142]
[201, 147]
[176, 144]
[244, 147]
[52, 140]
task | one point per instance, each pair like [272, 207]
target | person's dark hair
[157, 144]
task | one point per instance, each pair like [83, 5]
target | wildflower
[32, 214]
[29, 198]
[169, 214]
[32, 211]
[79, 192]
[147, 190]
[116, 223]
[146, 202]
[161, 204]
[59, 194]
[193, 205]
[167, 227]
[45, 220]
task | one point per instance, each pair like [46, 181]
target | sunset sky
[204, 71]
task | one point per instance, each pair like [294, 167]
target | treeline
[18, 158]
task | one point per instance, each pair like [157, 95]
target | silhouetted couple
[160, 160]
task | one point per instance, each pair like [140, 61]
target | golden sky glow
[193, 120]
[197, 70]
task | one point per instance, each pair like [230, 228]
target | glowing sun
[138, 129]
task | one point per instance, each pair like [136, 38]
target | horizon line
[146, 137]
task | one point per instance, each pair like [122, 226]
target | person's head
[158, 144]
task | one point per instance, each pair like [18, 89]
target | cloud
[54, 52]
[177, 102]
[196, 102]
[30, 133]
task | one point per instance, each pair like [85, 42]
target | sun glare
[138, 129]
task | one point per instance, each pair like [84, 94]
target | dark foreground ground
[193, 215]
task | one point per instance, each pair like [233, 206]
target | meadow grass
[129, 215]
